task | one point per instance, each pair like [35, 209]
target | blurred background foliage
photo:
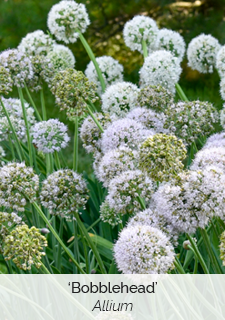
[190, 18]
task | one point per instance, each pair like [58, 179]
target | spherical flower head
[220, 62]
[138, 29]
[143, 250]
[36, 43]
[72, 89]
[124, 132]
[209, 156]
[18, 64]
[222, 90]
[112, 72]
[222, 117]
[189, 201]
[90, 133]
[114, 315]
[149, 118]
[160, 68]
[161, 156]
[202, 52]
[222, 247]
[127, 189]
[115, 162]
[120, 98]
[109, 215]
[50, 136]
[151, 218]
[155, 97]
[190, 120]
[215, 140]
[39, 64]
[25, 246]
[170, 41]
[66, 18]
[17, 183]
[63, 193]
[7, 222]
[6, 83]
[65, 53]
[18, 125]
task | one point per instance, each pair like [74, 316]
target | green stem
[17, 143]
[32, 102]
[11, 147]
[94, 118]
[59, 255]
[90, 243]
[92, 105]
[178, 266]
[142, 203]
[197, 254]
[30, 146]
[92, 57]
[181, 92]
[57, 161]
[75, 150]
[44, 115]
[144, 48]
[44, 268]
[42, 215]
[215, 264]
[48, 163]
[76, 244]
[196, 266]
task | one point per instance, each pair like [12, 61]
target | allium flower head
[222, 116]
[65, 53]
[120, 98]
[16, 183]
[40, 64]
[18, 64]
[222, 89]
[189, 120]
[170, 41]
[220, 62]
[202, 52]
[124, 132]
[137, 29]
[151, 218]
[222, 247]
[149, 119]
[126, 189]
[191, 200]
[112, 72]
[66, 18]
[72, 89]
[36, 43]
[90, 133]
[25, 246]
[49, 136]
[155, 97]
[114, 315]
[160, 68]
[6, 82]
[63, 193]
[215, 140]
[161, 156]
[110, 215]
[209, 156]
[143, 250]
[115, 162]
[18, 125]
[7, 222]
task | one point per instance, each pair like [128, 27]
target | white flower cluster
[209, 156]
[36, 43]
[65, 53]
[202, 52]
[90, 133]
[190, 201]
[222, 88]
[112, 72]
[50, 136]
[160, 68]
[120, 98]
[17, 183]
[138, 29]
[115, 162]
[6, 83]
[222, 116]
[172, 41]
[151, 218]
[18, 64]
[189, 120]
[220, 62]
[215, 140]
[143, 250]
[66, 18]
[126, 189]
[110, 215]
[63, 193]
[124, 132]
[18, 125]
[149, 119]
